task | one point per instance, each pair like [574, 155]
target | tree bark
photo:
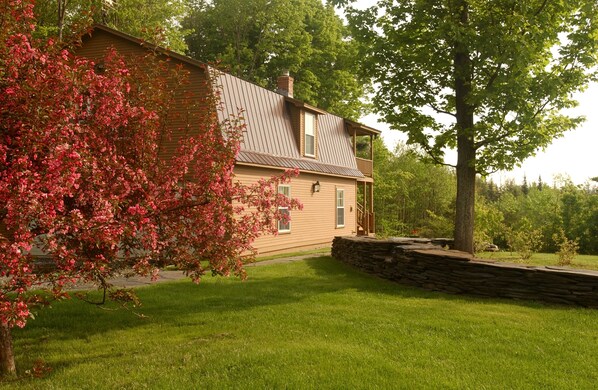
[466, 151]
[7, 358]
[464, 217]
[61, 13]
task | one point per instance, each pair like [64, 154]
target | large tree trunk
[466, 170]
[7, 358]
[464, 218]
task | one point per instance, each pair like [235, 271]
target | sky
[575, 154]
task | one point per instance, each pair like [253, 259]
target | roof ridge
[190, 60]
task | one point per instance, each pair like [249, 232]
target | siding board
[315, 225]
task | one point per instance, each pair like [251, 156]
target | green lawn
[307, 325]
[314, 252]
[580, 261]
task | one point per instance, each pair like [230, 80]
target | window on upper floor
[310, 134]
[284, 224]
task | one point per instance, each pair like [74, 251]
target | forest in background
[414, 197]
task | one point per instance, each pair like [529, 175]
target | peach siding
[315, 225]
[95, 48]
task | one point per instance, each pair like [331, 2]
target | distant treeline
[417, 198]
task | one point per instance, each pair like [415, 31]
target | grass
[284, 255]
[319, 251]
[310, 324]
[550, 259]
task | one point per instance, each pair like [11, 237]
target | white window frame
[284, 189]
[310, 131]
[340, 205]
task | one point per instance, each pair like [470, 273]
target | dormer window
[310, 134]
[304, 119]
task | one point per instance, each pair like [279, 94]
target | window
[284, 226]
[310, 134]
[340, 208]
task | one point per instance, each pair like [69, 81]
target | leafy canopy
[413, 197]
[526, 59]
[155, 21]
[258, 39]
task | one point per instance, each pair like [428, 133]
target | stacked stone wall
[426, 264]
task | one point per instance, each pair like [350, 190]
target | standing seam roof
[269, 139]
[268, 124]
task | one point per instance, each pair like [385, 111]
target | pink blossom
[83, 179]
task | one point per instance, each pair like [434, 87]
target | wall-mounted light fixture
[315, 187]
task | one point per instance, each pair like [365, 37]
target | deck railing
[365, 221]
[365, 166]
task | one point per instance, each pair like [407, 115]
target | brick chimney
[285, 84]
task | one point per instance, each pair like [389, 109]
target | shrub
[525, 240]
[567, 248]
[480, 241]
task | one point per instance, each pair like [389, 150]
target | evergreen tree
[524, 186]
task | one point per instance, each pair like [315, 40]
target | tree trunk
[466, 152]
[61, 11]
[7, 358]
[464, 217]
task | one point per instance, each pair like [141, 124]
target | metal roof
[269, 138]
[303, 164]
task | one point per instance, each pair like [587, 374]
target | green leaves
[157, 22]
[258, 39]
[526, 59]
[412, 197]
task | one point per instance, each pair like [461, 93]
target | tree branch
[104, 285]
[541, 8]
[439, 111]
[493, 77]
[180, 207]
[428, 151]
[484, 173]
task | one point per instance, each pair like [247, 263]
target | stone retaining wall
[423, 263]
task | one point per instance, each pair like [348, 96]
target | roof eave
[360, 129]
[305, 106]
[147, 45]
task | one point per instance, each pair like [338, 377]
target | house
[334, 155]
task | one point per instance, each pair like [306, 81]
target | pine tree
[524, 186]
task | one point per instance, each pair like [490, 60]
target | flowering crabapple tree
[83, 177]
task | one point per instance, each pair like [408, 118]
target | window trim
[305, 134]
[338, 207]
[280, 186]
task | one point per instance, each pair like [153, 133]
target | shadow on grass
[177, 305]
[169, 302]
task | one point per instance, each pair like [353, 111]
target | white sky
[575, 154]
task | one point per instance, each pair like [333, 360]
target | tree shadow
[183, 303]
[167, 301]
